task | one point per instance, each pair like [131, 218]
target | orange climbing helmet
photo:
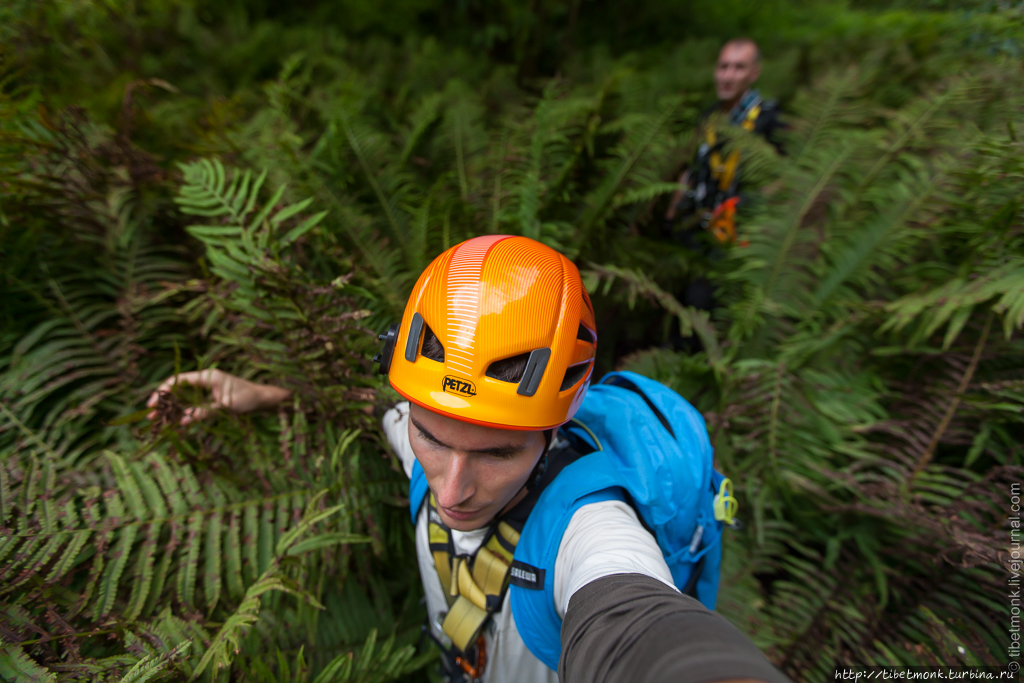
[498, 331]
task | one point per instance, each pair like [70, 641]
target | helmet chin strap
[538, 473]
[542, 465]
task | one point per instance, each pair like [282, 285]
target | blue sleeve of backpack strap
[417, 490]
[588, 480]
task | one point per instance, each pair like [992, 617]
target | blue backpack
[652, 451]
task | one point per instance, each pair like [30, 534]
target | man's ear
[755, 72]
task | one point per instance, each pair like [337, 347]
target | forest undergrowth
[254, 189]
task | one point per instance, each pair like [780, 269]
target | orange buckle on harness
[481, 660]
[723, 221]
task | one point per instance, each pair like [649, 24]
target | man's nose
[457, 486]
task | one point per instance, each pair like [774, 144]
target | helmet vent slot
[432, 348]
[509, 369]
[573, 374]
[586, 335]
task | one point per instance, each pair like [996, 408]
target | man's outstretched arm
[631, 627]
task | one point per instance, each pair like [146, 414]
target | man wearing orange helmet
[532, 555]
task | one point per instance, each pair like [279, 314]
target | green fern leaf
[250, 542]
[422, 118]
[109, 585]
[17, 667]
[142, 578]
[326, 540]
[289, 211]
[155, 664]
[163, 568]
[6, 498]
[600, 201]
[128, 486]
[254, 193]
[28, 495]
[302, 228]
[94, 520]
[282, 521]
[47, 545]
[188, 559]
[209, 232]
[241, 194]
[643, 194]
[69, 557]
[259, 218]
[212, 551]
[265, 538]
[168, 484]
[233, 557]
[338, 670]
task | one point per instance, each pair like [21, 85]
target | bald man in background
[709, 188]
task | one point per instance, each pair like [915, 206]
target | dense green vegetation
[254, 185]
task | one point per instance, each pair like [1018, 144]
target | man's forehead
[463, 434]
[738, 52]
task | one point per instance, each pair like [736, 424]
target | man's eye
[431, 443]
[502, 456]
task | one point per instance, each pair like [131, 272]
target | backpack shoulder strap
[417, 490]
[590, 479]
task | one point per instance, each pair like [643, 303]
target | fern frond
[644, 194]
[954, 301]
[153, 664]
[225, 644]
[422, 118]
[598, 203]
[15, 665]
[691, 321]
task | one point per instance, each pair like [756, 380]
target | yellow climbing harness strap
[724, 171]
[475, 585]
[439, 539]
[751, 120]
[463, 622]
